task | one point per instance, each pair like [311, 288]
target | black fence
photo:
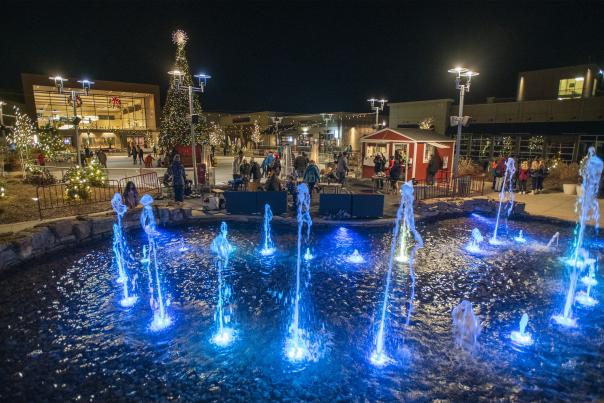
[462, 186]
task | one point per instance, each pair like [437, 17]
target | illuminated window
[570, 88]
[429, 149]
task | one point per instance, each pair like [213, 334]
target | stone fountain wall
[51, 237]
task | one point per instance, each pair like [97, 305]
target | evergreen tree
[175, 127]
[50, 142]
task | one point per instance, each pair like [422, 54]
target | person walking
[300, 164]
[128, 148]
[237, 160]
[134, 154]
[433, 166]
[102, 158]
[311, 176]
[179, 176]
[342, 168]
[395, 174]
[523, 176]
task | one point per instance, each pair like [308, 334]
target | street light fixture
[377, 105]
[463, 78]
[202, 80]
[73, 95]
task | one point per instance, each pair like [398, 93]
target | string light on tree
[22, 136]
[256, 134]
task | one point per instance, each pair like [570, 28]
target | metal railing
[462, 186]
[52, 200]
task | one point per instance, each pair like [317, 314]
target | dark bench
[367, 205]
[241, 202]
[333, 203]
[277, 201]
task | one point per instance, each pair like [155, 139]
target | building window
[429, 149]
[570, 88]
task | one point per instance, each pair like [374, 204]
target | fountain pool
[64, 335]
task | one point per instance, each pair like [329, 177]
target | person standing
[433, 167]
[523, 175]
[128, 148]
[534, 172]
[179, 176]
[255, 175]
[342, 168]
[237, 165]
[395, 174]
[140, 155]
[300, 164]
[276, 166]
[542, 174]
[378, 169]
[134, 153]
[311, 176]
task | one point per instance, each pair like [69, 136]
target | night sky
[301, 56]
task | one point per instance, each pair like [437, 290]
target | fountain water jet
[222, 248]
[475, 241]
[120, 251]
[507, 189]
[404, 220]
[521, 336]
[268, 248]
[161, 319]
[520, 238]
[297, 345]
[403, 255]
[588, 208]
[355, 258]
[556, 238]
[466, 327]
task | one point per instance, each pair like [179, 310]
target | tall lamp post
[377, 105]
[74, 96]
[202, 79]
[276, 121]
[463, 77]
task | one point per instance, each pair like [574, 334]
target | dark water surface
[64, 336]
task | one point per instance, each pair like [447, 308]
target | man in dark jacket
[177, 172]
[433, 166]
[300, 164]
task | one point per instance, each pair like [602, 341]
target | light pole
[193, 119]
[377, 105]
[276, 121]
[463, 77]
[2, 103]
[75, 95]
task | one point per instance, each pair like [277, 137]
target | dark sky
[302, 56]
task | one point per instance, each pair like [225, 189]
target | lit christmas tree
[256, 135]
[175, 127]
[50, 142]
[216, 135]
[22, 136]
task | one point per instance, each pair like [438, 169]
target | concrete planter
[579, 190]
[569, 188]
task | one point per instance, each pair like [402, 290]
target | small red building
[415, 145]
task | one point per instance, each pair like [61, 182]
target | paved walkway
[555, 205]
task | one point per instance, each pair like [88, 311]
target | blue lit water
[63, 334]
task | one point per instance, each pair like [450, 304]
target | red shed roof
[406, 135]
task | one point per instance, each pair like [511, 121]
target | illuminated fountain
[355, 258]
[161, 319]
[120, 251]
[183, 247]
[520, 237]
[554, 238]
[506, 194]
[308, 255]
[521, 336]
[403, 252]
[268, 248]
[587, 208]
[475, 241]
[405, 220]
[466, 327]
[222, 248]
[297, 344]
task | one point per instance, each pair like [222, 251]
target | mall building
[556, 113]
[112, 113]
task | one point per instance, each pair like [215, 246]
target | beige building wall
[411, 113]
[569, 110]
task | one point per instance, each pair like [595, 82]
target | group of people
[535, 171]
[391, 168]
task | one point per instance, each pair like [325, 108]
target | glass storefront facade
[100, 110]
